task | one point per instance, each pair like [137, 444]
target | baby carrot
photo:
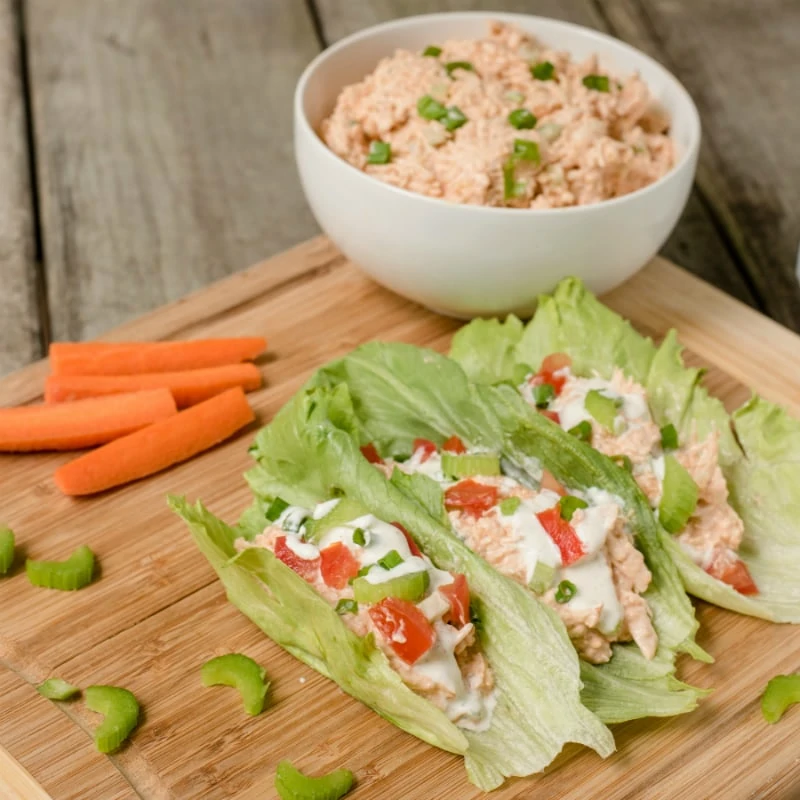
[189, 387]
[132, 358]
[157, 446]
[83, 423]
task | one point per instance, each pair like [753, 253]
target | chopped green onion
[669, 437]
[509, 505]
[428, 108]
[6, 549]
[542, 577]
[57, 689]
[511, 186]
[522, 119]
[569, 504]
[678, 496]
[379, 152]
[454, 118]
[464, 465]
[67, 576]
[520, 373]
[347, 606]
[358, 537]
[390, 560]
[291, 784]
[276, 508]
[543, 394]
[525, 150]
[243, 674]
[452, 66]
[120, 711]
[602, 408]
[543, 71]
[582, 431]
[410, 587]
[566, 591]
[623, 462]
[401, 458]
[599, 83]
[432, 50]
[781, 692]
[361, 573]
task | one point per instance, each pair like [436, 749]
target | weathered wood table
[146, 145]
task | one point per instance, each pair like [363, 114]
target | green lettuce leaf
[402, 392]
[291, 613]
[758, 444]
[312, 449]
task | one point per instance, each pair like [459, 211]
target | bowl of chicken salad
[469, 161]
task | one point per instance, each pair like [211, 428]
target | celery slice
[602, 408]
[57, 689]
[678, 496]
[345, 510]
[120, 710]
[781, 692]
[411, 587]
[460, 465]
[542, 578]
[243, 674]
[293, 785]
[6, 549]
[74, 573]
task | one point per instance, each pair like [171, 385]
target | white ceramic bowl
[472, 260]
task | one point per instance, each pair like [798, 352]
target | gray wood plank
[739, 60]
[164, 137]
[19, 315]
[696, 243]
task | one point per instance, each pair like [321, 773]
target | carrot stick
[132, 358]
[83, 423]
[157, 446]
[188, 388]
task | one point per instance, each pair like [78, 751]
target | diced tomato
[304, 567]
[338, 565]
[371, 454]
[551, 415]
[563, 534]
[404, 627]
[550, 365]
[454, 445]
[457, 594]
[427, 446]
[412, 545]
[734, 573]
[470, 496]
[549, 482]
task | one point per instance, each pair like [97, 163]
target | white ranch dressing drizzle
[291, 519]
[595, 586]
[301, 549]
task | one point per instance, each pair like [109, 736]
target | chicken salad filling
[682, 480]
[573, 550]
[377, 579]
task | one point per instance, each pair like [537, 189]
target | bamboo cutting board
[157, 612]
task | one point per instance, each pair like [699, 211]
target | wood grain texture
[163, 131]
[157, 612]
[695, 244]
[20, 330]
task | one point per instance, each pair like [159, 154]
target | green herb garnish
[599, 83]
[347, 606]
[522, 119]
[429, 108]
[454, 118]
[525, 150]
[511, 186]
[543, 394]
[582, 431]
[432, 50]
[669, 437]
[452, 66]
[569, 504]
[509, 505]
[379, 152]
[566, 591]
[276, 508]
[390, 560]
[358, 537]
[543, 71]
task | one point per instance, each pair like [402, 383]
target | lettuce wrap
[400, 393]
[309, 453]
[759, 444]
